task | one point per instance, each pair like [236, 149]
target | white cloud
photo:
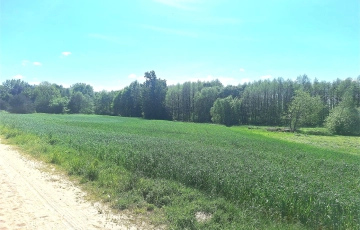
[19, 76]
[140, 79]
[37, 63]
[265, 77]
[65, 85]
[242, 70]
[132, 76]
[24, 62]
[64, 54]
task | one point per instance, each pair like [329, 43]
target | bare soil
[31, 198]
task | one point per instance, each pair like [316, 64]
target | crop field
[237, 177]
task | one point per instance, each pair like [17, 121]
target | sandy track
[33, 199]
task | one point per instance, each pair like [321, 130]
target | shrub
[344, 121]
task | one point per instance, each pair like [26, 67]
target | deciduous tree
[303, 109]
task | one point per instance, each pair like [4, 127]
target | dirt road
[33, 199]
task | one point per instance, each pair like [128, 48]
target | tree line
[276, 102]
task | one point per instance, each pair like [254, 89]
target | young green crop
[280, 179]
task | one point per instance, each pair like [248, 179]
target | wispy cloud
[37, 63]
[180, 4]
[24, 62]
[19, 76]
[178, 32]
[65, 54]
[242, 70]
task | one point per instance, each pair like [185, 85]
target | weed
[55, 158]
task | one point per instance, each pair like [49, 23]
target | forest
[277, 102]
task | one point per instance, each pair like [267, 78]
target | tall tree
[80, 103]
[304, 82]
[224, 111]
[127, 102]
[16, 86]
[20, 103]
[103, 102]
[303, 109]
[204, 100]
[82, 98]
[153, 97]
[45, 94]
[173, 102]
[85, 89]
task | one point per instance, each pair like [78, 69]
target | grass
[318, 137]
[171, 171]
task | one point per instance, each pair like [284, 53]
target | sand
[31, 198]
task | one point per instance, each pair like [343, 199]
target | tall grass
[280, 180]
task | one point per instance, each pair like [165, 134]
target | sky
[109, 44]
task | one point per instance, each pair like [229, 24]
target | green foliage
[80, 103]
[263, 102]
[92, 170]
[21, 104]
[59, 105]
[203, 102]
[14, 87]
[344, 120]
[83, 88]
[76, 166]
[243, 179]
[153, 97]
[55, 158]
[180, 100]
[103, 103]
[303, 110]
[224, 111]
[127, 102]
[45, 96]
[4, 105]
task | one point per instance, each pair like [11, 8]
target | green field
[169, 171]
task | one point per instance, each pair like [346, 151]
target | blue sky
[109, 44]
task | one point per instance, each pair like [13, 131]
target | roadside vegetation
[202, 176]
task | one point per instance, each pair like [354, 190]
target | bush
[344, 121]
